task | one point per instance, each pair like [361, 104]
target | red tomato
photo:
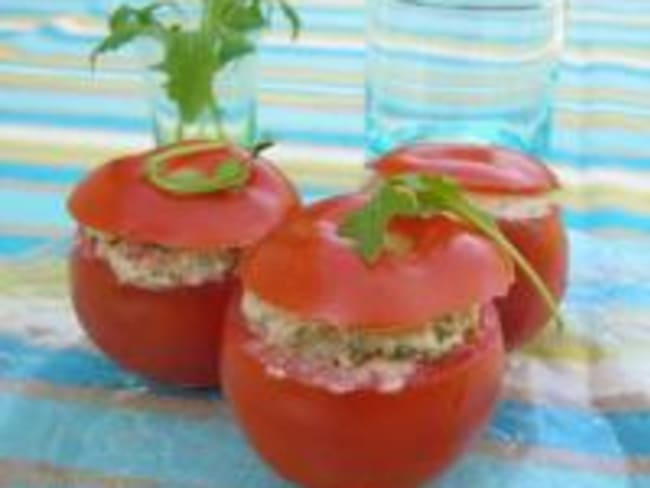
[542, 240]
[310, 270]
[171, 335]
[486, 169]
[117, 198]
[365, 438]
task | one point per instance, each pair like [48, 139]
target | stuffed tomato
[346, 373]
[515, 190]
[159, 237]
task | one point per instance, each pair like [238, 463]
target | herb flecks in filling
[156, 267]
[352, 347]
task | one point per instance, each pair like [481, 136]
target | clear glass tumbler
[463, 71]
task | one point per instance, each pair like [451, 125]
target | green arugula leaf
[368, 227]
[246, 18]
[231, 174]
[293, 18]
[234, 45]
[189, 63]
[420, 195]
[126, 24]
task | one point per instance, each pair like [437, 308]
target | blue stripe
[80, 368]
[61, 175]
[166, 448]
[606, 434]
[564, 428]
[14, 246]
[20, 208]
[595, 219]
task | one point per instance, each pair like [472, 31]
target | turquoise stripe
[21, 208]
[60, 175]
[19, 7]
[610, 434]
[166, 448]
[13, 246]
[579, 158]
[13, 100]
[607, 218]
[604, 434]
[94, 120]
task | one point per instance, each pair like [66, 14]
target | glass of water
[462, 71]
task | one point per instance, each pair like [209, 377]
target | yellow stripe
[592, 197]
[23, 474]
[36, 277]
[639, 123]
[192, 408]
[553, 346]
[80, 154]
[52, 232]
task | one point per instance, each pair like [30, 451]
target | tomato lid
[118, 198]
[487, 169]
[307, 269]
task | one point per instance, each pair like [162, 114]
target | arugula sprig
[192, 56]
[421, 195]
[231, 174]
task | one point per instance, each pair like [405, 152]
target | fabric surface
[575, 410]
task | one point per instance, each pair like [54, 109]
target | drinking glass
[462, 71]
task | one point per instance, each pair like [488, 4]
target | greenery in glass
[204, 76]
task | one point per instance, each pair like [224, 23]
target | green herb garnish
[231, 174]
[420, 195]
[193, 56]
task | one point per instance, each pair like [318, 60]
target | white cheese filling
[355, 357]
[514, 207]
[156, 267]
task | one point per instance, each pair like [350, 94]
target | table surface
[575, 410]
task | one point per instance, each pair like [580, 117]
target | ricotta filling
[353, 357]
[514, 207]
[156, 267]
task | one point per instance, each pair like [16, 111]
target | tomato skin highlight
[542, 240]
[171, 335]
[365, 438]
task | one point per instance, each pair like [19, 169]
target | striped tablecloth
[575, 412]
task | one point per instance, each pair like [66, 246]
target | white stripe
[576, 383]
[610, 177]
